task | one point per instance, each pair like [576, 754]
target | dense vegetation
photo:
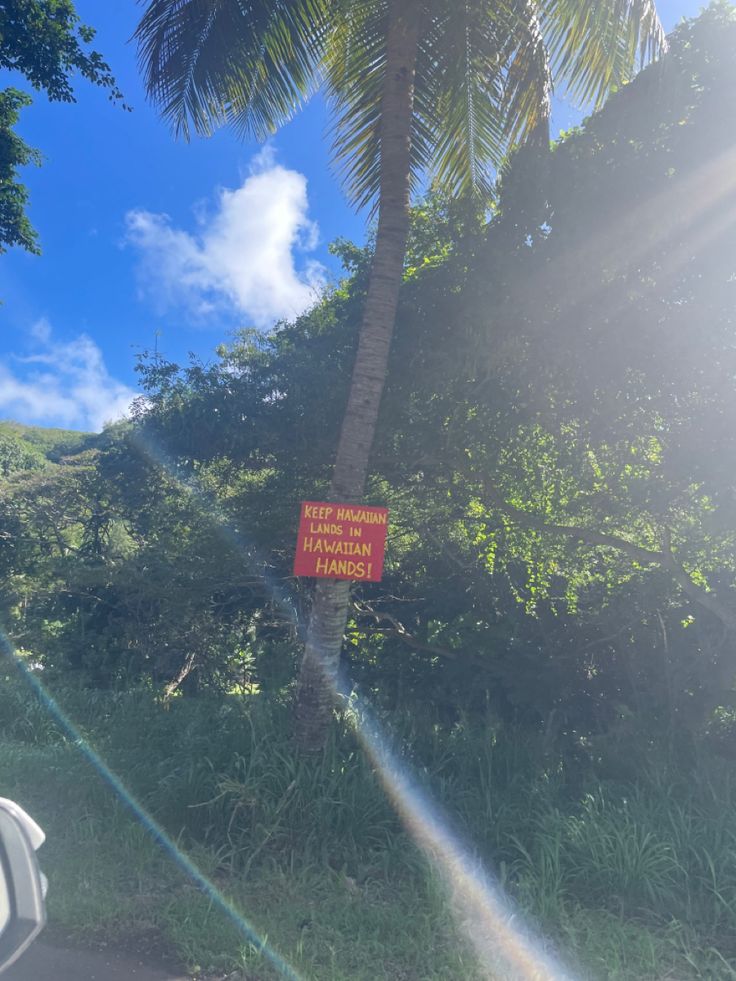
[551, 645]
[417, 89]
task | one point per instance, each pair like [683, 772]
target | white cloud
[243, 258]
[61, 384]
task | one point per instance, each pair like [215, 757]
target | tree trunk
[318, 676]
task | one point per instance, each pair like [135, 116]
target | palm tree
[418, 88]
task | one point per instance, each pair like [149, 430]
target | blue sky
[143, 235]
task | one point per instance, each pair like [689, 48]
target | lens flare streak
[498, 938]
[154, 829]
[504, 948]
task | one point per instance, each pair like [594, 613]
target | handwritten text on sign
[341, 541]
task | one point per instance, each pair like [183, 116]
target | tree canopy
[45, 43]
[555, 448]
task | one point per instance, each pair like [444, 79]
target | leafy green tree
[579, 407]
[43, 41]
[607, 334]
[15, 454]
[562, 554]
[15, 228]
[418, 87]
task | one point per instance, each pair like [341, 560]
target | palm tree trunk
[318, 675]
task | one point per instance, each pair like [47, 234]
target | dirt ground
[43, 963]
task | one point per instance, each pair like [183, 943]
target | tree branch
[173, 685]
[665, 557]
[397, 629]
[696, 593]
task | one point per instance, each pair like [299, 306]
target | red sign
[341, 541]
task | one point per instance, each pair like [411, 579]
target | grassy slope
[46, 445]
[630, 881]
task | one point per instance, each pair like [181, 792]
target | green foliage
[45, 43]
[551, 423]
[553, 634]
[42, 444]
[626, 880]
[484, 72]
[16, 455]
[15, 228]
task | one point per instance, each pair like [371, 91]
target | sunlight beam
[246, 929]
[486, 916]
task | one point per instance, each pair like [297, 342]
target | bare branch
[397, 629]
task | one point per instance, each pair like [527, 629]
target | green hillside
[32, 447]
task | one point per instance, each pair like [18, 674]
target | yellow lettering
[324, 528]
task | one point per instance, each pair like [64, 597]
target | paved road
[42, 963]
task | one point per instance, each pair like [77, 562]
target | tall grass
[634, 880]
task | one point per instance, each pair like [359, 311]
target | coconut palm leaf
[482, 83]
[247, 62]
[483, 80]
[466, 74]
[354, 69]
[596, 45]
[483, 75]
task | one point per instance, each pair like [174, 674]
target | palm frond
[248, 62]
[483, 72]
[468, 74]
[527, 99]
[483, 82]
[355, 70]
[596, 45]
